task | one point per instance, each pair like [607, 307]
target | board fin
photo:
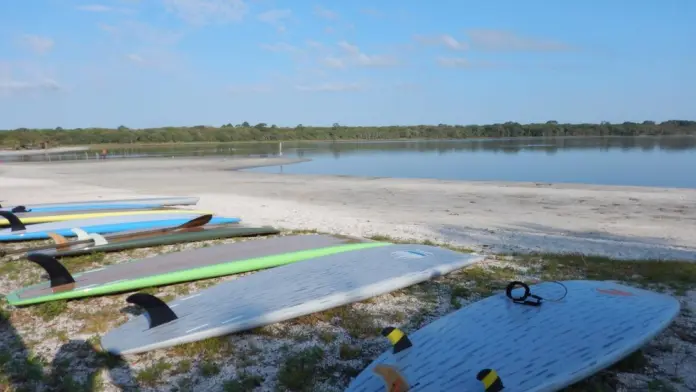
[397, 338]
[19, 209]
[98, 239]
[15, 223]
[393, 380]
[157, 311]
[81, 234]
[61, 242]
[490, 379]
[61, 279]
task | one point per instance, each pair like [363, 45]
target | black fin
[56, 271]
[159, 313]
[19, 209]
[15, 223]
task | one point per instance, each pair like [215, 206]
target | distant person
[103, 153]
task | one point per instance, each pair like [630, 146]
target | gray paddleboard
[288, 292]
[533, 349]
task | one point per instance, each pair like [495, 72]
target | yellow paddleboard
[88, 215]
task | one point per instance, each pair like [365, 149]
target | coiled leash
[535, 299]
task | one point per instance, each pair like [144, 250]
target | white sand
[622, 222]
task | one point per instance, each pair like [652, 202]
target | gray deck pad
[190, 259]
[106, 220]
[287, 292]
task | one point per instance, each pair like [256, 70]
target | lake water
[643, 161]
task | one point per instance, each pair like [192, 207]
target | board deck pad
[104, 204]
[188, 265]
[287, 292]
[203, 233]
[108, 224]
[534, 349]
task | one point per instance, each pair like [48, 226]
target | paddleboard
[281, 294]
[203, 233]
[46, 217]
[103, 204]
[202, 263]
[496, 343]
[111, 224]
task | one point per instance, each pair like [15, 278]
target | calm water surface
[643, 161]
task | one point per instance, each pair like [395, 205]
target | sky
[150, 63]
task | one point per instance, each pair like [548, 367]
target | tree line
[24, 138]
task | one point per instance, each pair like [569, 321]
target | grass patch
[393, 240]
[50, 310]
[83, 262]
[205, 349]
[300, 369]
[245, 382]
[357, 323]
[347, 352]
[153, 374]
[209, 368]
[677, 275]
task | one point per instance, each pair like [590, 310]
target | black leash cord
[524, 298]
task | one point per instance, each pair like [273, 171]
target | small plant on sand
[205, 349]
[50, 310]
[244, 382]
[347, 352]
[209, 368]
[299, 370]
[152, 375]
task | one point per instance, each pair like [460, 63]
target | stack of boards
[490, 345]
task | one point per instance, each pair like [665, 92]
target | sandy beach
[618, 222]
[621, 222]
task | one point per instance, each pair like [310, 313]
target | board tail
[490, 379]
[61, 280]
[15, 223]
[397, 338]
[157, 311]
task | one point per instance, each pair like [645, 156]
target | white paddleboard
[280, 294]
[531, 348]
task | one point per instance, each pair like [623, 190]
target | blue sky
[145, 63]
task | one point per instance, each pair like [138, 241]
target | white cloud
[275, 18]
[9, 86]
[356, 57]
[499, 40]
[136, 58]
[202, 12]
[325, 13]
[443, 40]
[315, 44]
[37, 44]
[331, 87]
[333, 62]
[371, 12]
